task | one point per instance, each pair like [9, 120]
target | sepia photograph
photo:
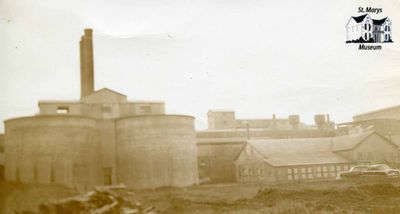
[211, 107]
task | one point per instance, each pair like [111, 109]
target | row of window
[367, 27]
[320, 172]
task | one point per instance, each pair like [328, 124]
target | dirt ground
[357, 196]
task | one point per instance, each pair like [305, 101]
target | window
[107, 172]
[145, 109]
[319, 172]
[105, 109]
[295, 174]
[62, 110]
[309, 173]
[290, 174]
[366, 36]
[325, 171]
[332, 171]
[366, 26]
[303, 173]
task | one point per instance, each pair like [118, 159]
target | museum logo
[364, 29]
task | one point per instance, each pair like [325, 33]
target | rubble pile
[115, 199]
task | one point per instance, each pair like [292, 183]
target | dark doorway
[107, 172]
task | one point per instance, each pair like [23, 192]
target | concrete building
[101, 139]
[221, 142]
[283, 160]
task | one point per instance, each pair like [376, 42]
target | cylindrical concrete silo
[52, 149]
[156, 151]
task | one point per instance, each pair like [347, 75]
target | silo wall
[156, 151]
[52, 149]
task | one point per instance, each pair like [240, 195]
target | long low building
[275, 160]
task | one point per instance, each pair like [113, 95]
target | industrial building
[219, 145]
[385, 121]
[283, 160]
[101, 139]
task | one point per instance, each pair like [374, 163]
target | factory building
[101, 139]
[283, 160]
[221, 142]
[384, 121]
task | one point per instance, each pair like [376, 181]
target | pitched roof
[104, 95]
[378, 21]
[347, 142]
[304, 151]
[109, 90]
[359, 19]
[377, 111]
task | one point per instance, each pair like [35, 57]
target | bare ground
[358, 196]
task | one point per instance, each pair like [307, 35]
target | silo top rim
[49, 116]
[155, 115]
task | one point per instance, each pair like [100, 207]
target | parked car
[354, 172]
[381, 170]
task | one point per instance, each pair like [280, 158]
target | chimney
[274, 121]
[87, 70]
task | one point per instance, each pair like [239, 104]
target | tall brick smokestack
[87, 68]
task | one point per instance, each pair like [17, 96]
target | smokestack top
[88, 31]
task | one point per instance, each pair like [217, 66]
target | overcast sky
[255, 57]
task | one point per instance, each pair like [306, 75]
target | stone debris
[116, 199]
